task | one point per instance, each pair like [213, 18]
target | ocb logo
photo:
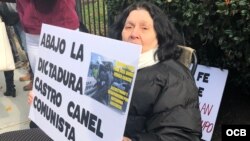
[236, 132]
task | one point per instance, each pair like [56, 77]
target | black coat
[165, 105]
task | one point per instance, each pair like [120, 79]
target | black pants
[9, 81]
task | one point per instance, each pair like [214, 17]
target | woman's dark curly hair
[167, 35]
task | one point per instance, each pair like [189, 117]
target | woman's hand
[30, 97]
[126, 139]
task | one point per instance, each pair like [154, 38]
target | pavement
[14, 111]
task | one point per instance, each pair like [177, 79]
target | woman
[164, 106]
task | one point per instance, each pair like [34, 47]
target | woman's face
[139, 29]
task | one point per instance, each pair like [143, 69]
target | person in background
[22, 40]
[10, 18]
[9, 13]
[9, 75]
[164, 105]
[33, 13]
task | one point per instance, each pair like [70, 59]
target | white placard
[83, 85]
[211, 82]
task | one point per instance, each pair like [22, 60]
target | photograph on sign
[109, 82]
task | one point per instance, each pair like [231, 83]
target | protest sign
[83, 85]
[211, 82]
